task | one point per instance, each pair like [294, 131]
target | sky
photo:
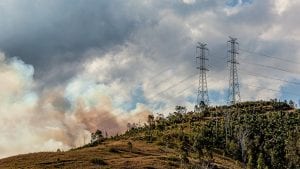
[68, 67]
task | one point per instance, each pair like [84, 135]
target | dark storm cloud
[54, 35]
[58, 37]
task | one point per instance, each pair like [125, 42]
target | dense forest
[262, 135]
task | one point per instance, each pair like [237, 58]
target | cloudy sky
[70, 67]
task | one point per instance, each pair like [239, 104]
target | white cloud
[281, 6]
[189, 1]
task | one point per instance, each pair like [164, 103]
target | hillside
[252, 134]
[109, 154]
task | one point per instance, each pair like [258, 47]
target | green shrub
[173, 158]
[98, 161]
[129, 145]
[113, 150]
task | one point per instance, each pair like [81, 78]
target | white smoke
[55, 118]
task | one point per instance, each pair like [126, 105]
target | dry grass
[143, 155]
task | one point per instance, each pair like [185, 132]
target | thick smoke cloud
[71, 68]
[31, 121]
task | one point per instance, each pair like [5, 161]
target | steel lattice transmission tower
[234, 87]
[202, 95]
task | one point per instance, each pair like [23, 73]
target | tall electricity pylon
[202, 95]
[234, 87]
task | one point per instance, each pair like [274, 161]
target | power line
[249, 85]
[266, 66]
[269, 56]
[183, 91]
[233, 51]
[172, 86]
[264, 76]
[161, 72]
[161, 81]
[271, 67]
[286, 92]
[252, 63]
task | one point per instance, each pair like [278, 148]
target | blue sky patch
[290, 92]
[137, 96]
[237, 2]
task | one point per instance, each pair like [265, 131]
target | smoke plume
[61, 117]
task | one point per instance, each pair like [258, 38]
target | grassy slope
[143, 155]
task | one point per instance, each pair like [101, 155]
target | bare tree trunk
[242, 136]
